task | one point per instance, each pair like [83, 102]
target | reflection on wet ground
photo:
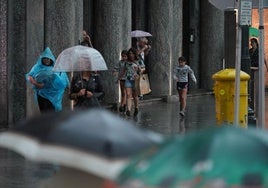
[164, 117]
[16, 172]
[161, 117]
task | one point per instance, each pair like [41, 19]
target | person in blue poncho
[48, 86]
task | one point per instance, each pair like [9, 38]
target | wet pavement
[161, 117]
[164, 117]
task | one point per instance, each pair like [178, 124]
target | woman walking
[131, 73]
[86, 90]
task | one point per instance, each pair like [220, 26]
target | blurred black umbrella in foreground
[94, 141]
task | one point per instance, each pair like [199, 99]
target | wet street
[161, 117]
[164, 117]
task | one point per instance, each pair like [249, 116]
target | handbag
[144, 84]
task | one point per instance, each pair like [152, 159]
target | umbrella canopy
[253, 32]
[139, 33]
[94, 141]
[80, 58]
[229, 156]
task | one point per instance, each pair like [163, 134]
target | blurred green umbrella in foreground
[253, 32]
[214, 157]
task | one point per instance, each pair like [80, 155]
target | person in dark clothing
[86, 40]
[86, 90]
[254, 53]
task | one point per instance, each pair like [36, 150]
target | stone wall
[63, 28]
[16, 59]
[3, 63]
[165, 24]
[35, 45]
[194, 42]
[211, 43]
[112, 27]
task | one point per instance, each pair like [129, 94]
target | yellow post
[224, 90]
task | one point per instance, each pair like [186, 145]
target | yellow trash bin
[224, 90]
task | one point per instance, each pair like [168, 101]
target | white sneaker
[182, 113]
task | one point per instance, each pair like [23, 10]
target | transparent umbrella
[80, 58]
[140, 33]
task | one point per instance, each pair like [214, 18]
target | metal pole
[237, 71]
[261, 115]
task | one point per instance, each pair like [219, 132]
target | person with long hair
[131, 73]
[86, 90]
[254, 53]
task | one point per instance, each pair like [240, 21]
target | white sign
[231, 4]
[245, 12]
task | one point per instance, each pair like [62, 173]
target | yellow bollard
[224, 90]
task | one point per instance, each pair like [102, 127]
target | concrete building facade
[192, 28]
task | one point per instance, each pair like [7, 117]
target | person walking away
[86, 90]
[131, 71]
[119, 70]
[181, 73]
[48, 86]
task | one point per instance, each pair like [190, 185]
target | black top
[254, 57]
[93, 85]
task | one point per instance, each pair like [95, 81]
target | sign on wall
[233, 4]
[245, 12]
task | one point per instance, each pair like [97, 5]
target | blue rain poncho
[54, 82]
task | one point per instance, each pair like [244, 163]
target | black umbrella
[96, 141]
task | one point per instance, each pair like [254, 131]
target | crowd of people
[86, 88]
[129, 70]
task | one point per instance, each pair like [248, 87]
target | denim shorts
[129, 83]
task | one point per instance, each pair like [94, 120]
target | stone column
[211, 43]
[139, 14]
[139, 18]
[88, 17]
[4, 64]
[34, 47]
[112, 27]
[194, 40]
[63, 28]
[16, 60]
[165, 24]
[63, 24]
